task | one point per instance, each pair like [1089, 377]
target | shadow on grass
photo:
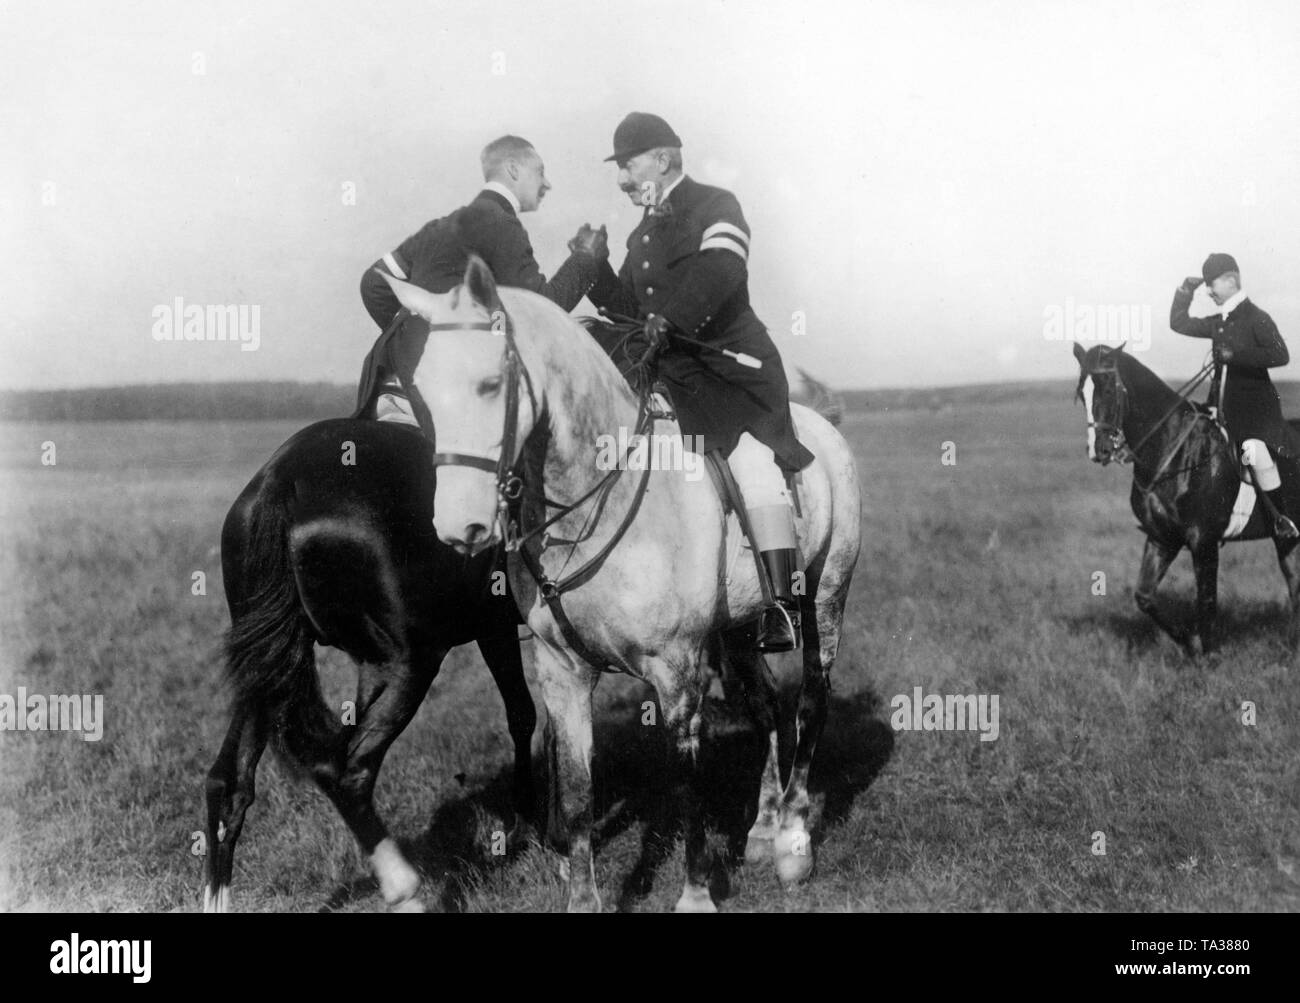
[633, 779]
[633, 784]
[1237, 623]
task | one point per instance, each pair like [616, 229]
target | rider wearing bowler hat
[686, 273]
[1247, 344]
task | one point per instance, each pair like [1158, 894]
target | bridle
[510, 482]
[1126, 453]
[1114, 430]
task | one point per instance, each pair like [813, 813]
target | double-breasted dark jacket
[688, 261]
[1251, 408]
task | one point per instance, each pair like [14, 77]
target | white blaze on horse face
[462, 382]
[1087, 413]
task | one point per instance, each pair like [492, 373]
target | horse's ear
[1121, 347]
[480, 283]
[1079, 353]
[419, 301]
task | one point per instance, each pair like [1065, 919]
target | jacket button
[645, 265]
[645, 239]
[649, 290]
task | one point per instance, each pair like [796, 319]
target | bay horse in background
[1186, 482]
[331, 543]
[639, 572]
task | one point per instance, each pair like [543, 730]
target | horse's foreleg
[230, 792]
[749, 668]
[793, 847]
[1156, 559]
[681, 695]
[1288, 557]
[387, 699]
[567, 682]
[499, 645]
[1205, 562]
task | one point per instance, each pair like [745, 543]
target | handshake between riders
[685, 273]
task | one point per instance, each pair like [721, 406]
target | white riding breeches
[767, 500]
[1256, 456]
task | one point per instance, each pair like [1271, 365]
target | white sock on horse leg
[1256, 455]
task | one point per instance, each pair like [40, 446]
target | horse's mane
[1138, 378]
[550, 337]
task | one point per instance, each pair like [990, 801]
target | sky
[939, 193]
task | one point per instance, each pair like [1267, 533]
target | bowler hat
[1218, 264]
[639, 132]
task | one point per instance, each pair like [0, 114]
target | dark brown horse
[332, 543]
[1186, 480]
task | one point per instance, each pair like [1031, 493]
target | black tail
[270, 661]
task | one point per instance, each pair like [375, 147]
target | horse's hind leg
[1156, 559]
[230, 791]
[793, 846]
[387, 698]
[1288, 557]
[499, 645]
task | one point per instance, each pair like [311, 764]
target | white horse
[657, 604]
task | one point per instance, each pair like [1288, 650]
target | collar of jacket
[1231, 303]
[503, 195]
[655, 211]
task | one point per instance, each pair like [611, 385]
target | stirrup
[778, 628]
[1284, 528]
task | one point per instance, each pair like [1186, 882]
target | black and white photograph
[539, 456]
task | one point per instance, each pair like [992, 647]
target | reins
[510, 484]
[1182, 393]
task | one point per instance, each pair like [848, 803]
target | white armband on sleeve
[394, 269]
[726, 237]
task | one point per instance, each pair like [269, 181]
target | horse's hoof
[585, 903]
[398, 880]
[218, 902]
[695, 900]
[758, 849]
[794, 856]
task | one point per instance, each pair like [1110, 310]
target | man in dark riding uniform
[1247, 345]
[686, 273]
[435, 259]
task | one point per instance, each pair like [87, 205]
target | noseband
[1114, 430]
[1125, 452]
[509, 485]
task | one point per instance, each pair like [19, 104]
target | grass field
[976, 577]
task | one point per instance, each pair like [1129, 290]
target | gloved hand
[1222, 352]
[656, 336]
[1190, 283]
[590, 243]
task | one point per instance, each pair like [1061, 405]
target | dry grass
[975, 578]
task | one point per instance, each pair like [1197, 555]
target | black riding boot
[1283, 527]
[779, 627]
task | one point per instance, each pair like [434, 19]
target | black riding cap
[1218, 264]
[639, 132]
